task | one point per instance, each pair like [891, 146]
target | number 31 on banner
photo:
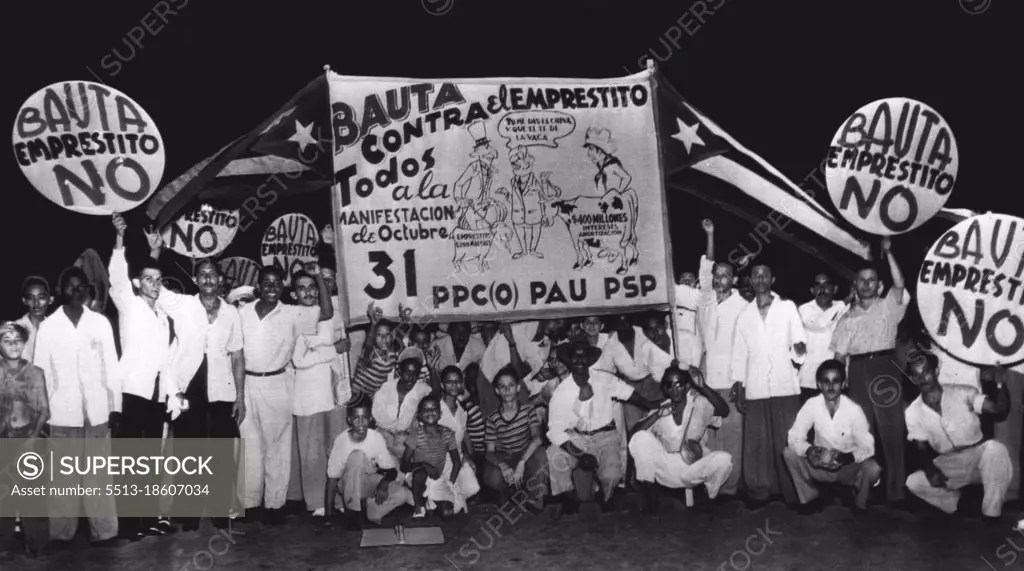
[382, 268]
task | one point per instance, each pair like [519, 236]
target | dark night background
[779, 76]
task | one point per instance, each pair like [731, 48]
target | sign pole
[669, 265]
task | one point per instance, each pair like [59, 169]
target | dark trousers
[37, 529]
[140, 418]
[193, 423]
[765, 436]
[534, 476]
[876, 385]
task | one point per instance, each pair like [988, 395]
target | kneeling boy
[843, 445]
[363, 471]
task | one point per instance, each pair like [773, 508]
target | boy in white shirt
[364, 472]
[843, 447]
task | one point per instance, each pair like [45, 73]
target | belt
[885, 353]
[607, 428]
[270, 374]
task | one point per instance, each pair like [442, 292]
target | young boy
[24, 410]
[35, 294]
[843, 445]
[363, 471]
[427, 450]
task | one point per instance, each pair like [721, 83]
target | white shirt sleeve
[798, 433]
[561, 417]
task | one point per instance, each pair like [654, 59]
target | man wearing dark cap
[581, 426]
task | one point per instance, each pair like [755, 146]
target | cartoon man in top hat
[474, 186]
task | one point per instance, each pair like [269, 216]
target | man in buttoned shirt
[208, 367]
[843, 446]
[147, 336]
[944, 426]
[269, 330]
[821, 316]
[769, 346]
[718, 311]
[581, 427]
[75, 350]
[866, 338]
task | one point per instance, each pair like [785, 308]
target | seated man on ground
[666, 447]
[363, 472]
[843, 447]
[515, 453]
[944, 426]
[582, 427]
[433, 464]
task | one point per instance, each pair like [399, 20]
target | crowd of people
[750, 397]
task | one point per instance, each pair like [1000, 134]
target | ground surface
[729, 537]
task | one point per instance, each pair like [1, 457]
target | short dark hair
[451, 369]
[142, 264]
[426, 399]
[32, 281]
[212, 262]
[928, 359]
[673, 370]
[302, 274]
[830, 365]
[71, 272]
[507, 370]
[357, 403]
[270, 270]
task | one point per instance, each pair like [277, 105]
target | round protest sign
[239, 271]
[289, 243]
[88, 147]
[971, 290]
[202, 232]
[892, 166]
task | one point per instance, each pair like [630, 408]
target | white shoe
[420, 513]
[319, 512]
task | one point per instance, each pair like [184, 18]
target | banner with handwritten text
[487, 198]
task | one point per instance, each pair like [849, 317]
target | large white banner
[498, 197]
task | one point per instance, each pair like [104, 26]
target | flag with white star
[702, 159]
[291, 151]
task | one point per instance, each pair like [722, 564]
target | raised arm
[898, 285]
[709, 231]
[120, 282]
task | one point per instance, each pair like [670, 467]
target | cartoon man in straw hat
[474, 185]
[601, 150]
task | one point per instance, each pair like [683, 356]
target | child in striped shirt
[379, 357]
[435, 480]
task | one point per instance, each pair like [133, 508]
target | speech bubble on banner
[289, 243]
[970, 290]
[239, 271]
[535, 128]
[88, 148]
[202, 233]
[892, 166]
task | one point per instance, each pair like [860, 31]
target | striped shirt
[474, 427]
[511, 436]
[433, 450]
[369, 378]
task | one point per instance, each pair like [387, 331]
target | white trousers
[987, 464]
[655, 464]
[267, 433]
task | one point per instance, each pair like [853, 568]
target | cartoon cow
[614, 214]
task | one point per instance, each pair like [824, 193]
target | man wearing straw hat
[581, 427]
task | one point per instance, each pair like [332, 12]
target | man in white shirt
[147, 342]
[75, 350]
[364, 472]
[207, 368]
[269, 330]
[821, 315]
[459, 348]
[944, 428]
[843, 447]
[582, 428]
[667, 448]
[719, 308]
[770, 343]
